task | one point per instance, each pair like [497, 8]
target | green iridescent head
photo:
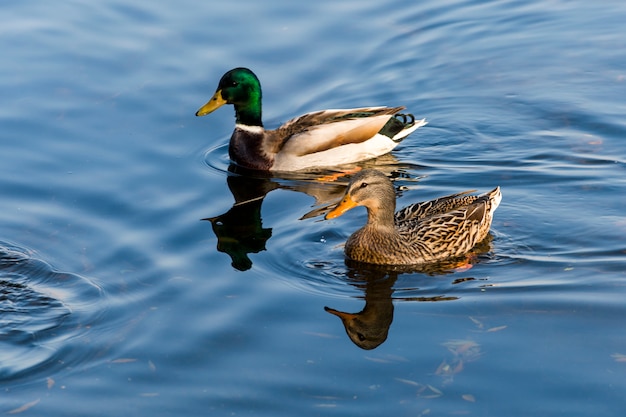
[241, 88]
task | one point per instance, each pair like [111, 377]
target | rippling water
[44, 314]
[139, 273]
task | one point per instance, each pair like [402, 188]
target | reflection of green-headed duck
[320, 139]
[421, 233]
[240, 230]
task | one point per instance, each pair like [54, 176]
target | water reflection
[369, 328]
[240, 230]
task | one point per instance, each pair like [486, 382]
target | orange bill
[346, 204]
[341, 314]
[215, 103]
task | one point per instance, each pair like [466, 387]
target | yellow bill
[215, 103]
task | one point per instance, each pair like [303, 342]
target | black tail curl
[407, 119]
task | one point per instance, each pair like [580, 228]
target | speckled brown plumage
[421, 233]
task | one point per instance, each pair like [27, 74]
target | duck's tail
[495, 196]
[401, 125]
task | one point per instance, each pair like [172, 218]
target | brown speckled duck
[420, 233]
[320, 139]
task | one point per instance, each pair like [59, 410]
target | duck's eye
[234, 83]
[363, 185]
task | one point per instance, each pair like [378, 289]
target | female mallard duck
[420, 233]
[320, 139]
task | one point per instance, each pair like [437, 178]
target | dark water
[139, 277]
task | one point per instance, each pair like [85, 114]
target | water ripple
[312, 260]
[42, 313]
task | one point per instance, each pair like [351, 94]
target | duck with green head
[320, 139]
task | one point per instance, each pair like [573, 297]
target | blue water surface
[138, 276]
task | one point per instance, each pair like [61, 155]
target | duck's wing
[449, 234]
[456, 231]
[439, 205]
[323, 130]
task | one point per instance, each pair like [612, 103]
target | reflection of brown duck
[369, 328]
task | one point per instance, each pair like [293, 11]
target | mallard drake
[319, 139]
[420, 233]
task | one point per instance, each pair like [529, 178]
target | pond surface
[139, 276]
